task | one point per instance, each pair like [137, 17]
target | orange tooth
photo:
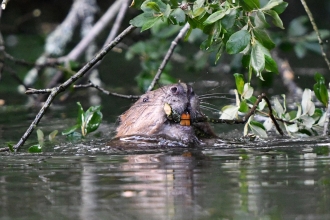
[185, 119]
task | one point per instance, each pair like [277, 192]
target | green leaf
[219, 53]
[214, 17]
[35, 148]
[270, 64]
[271, 4]
[260, 20]
[280, 8]
[263, 38]
[239, 80]
[80, 117]
[258, 129]
[243, 107]
[52, 135]
[198, 12]
[149, 23]
[238, 41]
[40, 136]
[70, 130]
[93, 119]
[276, 19]
[320, 89]
[139, 20]
[257, 59]
[177, 17]
[10, 146]
[249, 5]
[153, 6]
[229, 20]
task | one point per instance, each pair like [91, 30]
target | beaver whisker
[209, 104]
[209, 108]
[217, 97]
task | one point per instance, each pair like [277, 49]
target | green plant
[37, 148]
[305, 120]
[231, 26]
[87, 121]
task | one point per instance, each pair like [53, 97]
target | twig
[311, 19]
[113, 32]
[55, 91]
[168, 56]
[118, 21]
[246, 117]
[30, 91]
[90, 84]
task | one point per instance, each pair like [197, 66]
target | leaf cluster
[305, 120]
[231, 26]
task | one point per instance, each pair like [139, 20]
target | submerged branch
[55, 91]
[168, 56]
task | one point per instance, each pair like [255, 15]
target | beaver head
[159, 112]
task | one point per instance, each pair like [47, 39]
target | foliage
[37, 148]
[231, 26]
[305, 120]
[300, 38]
[87, 121]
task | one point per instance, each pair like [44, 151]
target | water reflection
[213, 184]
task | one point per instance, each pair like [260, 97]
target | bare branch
[246, 117]
[97, 28]
[118, 21]
[168, 56]
[311, 19]
[55, 91]
[92, 85]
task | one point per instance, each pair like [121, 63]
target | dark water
[84, 179]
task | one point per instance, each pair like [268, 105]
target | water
[282, 179]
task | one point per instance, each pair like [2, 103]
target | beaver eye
[174, 89]
[145, 99]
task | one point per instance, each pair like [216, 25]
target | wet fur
[147, 116]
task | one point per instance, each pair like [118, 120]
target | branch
[92, 85]
[246, 117]
[168, 55]
[55, 91]
[97, 28]
[310, 16]
[326, 123]
[118, 21]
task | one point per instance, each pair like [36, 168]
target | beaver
[168, 111]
